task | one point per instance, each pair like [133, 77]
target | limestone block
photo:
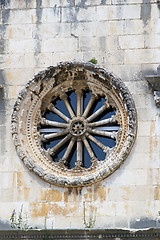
[142, 56]
[156, 25]
[57, 3]
[19, 31]
[142, 144]
[144, 128]
[106, 222]
[131, 41]
[83, 29]
[99, 194]
[30, 59]
[123, 193]
[106, 208]
[16, 46]
[43, 60]
[155, 11]
[67, 56]
[118, 12]
[51, 30]
[13, 60]
[24, 179]
[31, 4]
[69, 222]
[59, 44]
[143, 100]
[8, 179]
[153, 176]
[90, 28]
[91, 3]
[13, 92]
[138, 87]
[144, 114]
[112, 42]
[16, 4]
[115, 27]
[143, 193]
[54, 195]
[124, 208]
[143, 208]
[128, 2]
[128, 72]
[35, 194]
[92, 43]
[137, 160]
[131, 177]
[17, 16]
[17, 75]
[152, 41]
[133, 26]
[78, 14]
[86, 14]
[115, 57]
[8, 195]
[50, 15]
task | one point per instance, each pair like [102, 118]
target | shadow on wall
[146, 12]
[143, 223]
[4, 225]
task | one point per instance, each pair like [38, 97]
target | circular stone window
[74, 124]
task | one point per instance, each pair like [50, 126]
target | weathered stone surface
[64, 78]
[123, 36]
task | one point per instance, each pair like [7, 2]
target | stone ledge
[151, 234]
[154, 81]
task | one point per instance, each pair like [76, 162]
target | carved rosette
[32, 131]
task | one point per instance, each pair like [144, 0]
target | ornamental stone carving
[74, 124]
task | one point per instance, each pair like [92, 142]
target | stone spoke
[79, 102]
[53, 150]
[91, 153]
[54, 135]
[103, 122]
[98, 143]
[90, 103]
[109, 128]
[79, 153]
[59, 113]
[64, 97]
[103, 133]
[69, 149]
[50, 130]
[98, 112]
[47, 122]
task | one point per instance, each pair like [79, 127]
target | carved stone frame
[37, 95]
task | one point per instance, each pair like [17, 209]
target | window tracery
[74, 124]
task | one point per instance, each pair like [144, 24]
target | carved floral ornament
[74, 124]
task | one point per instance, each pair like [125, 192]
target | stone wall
[124, 37]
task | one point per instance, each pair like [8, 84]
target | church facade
[79, 114]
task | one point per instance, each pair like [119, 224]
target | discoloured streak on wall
[39, 12]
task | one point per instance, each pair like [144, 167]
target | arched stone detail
[37, 97]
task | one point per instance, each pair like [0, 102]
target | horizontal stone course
[118, 12]
[131, 42]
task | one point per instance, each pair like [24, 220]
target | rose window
[74, 124]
